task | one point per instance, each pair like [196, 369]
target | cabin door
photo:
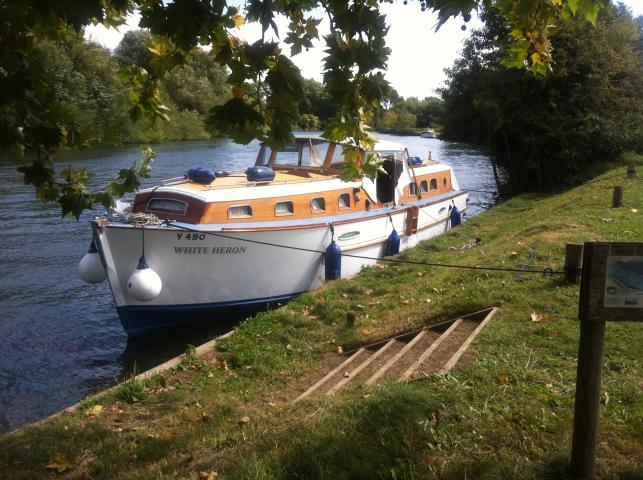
[386, 183]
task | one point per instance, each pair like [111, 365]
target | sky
[418, 57]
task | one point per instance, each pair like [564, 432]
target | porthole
[318, 205]
[444, 182]
[344, 201]
[413, 189]
[284, 208]
[240, 211]
[434, 184]
[424, 186]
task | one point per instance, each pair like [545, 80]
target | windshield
[298, 154]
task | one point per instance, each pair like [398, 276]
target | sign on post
[612, 282]
[611, 289]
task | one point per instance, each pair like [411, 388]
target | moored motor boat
[428, 133]
[215, 241]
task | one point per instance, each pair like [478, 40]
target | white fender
[90, 268]
[144, 284]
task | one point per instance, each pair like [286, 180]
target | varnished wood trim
[341, 222]
[193, 214]
[440, 177]
[263, 210]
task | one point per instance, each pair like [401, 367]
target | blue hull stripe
[141, 319]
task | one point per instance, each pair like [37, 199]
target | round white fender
[90, 268]
[144, 284]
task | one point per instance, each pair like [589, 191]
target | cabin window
[424, 186]
[322, 150]
[413, 189]
[288, 155]
[344, 201]
[310, 156]
[338, 156]
[444, 182]
[166, 205]
[434, 184]
[318, 205]
[240, 211]
[284, 208]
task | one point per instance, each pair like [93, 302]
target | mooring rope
[545, 271]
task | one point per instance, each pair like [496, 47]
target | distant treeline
[86, 83]
[555, 130]
[543, 131]
[87, 86]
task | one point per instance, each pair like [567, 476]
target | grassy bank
[506, 412]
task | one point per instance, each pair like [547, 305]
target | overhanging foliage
[264, 82]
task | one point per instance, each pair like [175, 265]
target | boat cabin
[301, 180]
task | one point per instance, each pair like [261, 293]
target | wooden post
[602, 298]
[350, 319]
[617, 196]
[631, 171]
[573, 262]
[588, 391]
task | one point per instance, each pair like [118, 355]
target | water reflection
[145, 352]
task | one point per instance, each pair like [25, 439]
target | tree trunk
[492, 158]
[512, 167]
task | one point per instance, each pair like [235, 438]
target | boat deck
[281, 176]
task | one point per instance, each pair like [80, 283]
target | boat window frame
[444, 182]
[317, 210]
[348, 205]
[433, 185]
[413, 189]
[285, 214]
[232, 217]
[424, 186]
[165, 210]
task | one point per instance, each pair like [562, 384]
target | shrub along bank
[505, 412]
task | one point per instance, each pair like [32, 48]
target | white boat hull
[210, 268]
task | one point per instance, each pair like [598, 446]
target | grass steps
[404, 357]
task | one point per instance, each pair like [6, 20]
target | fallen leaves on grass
[59, 462]
[244, 420]
[208, 475]
[94, 411]
[538, 317]
[503, 379]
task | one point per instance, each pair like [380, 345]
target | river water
[61, 339]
